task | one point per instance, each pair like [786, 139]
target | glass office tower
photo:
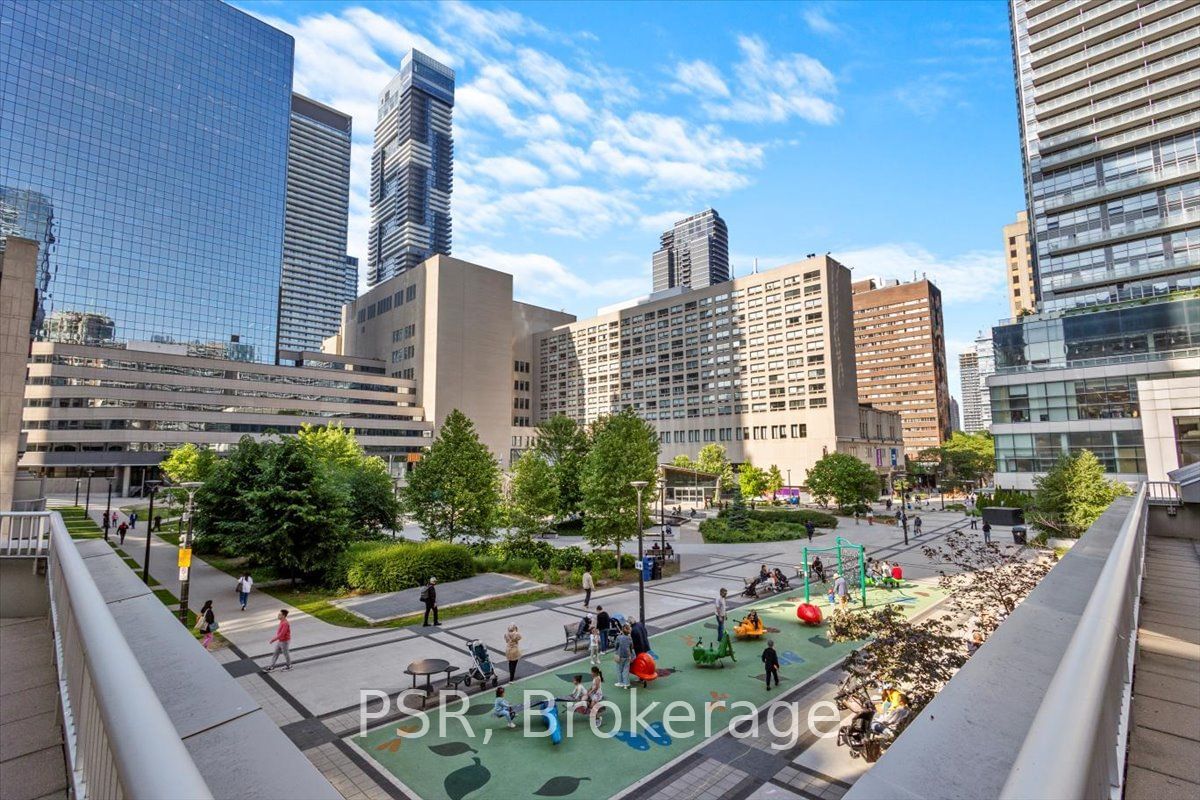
[1109, 103]
[158, 133]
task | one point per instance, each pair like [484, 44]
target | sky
[884, 133]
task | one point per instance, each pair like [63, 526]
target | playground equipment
[808, 614]
[548, 711]
[644, 669]
[850, 562]
[707, 656]
[750, 628]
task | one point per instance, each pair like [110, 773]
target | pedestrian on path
[810, 529]
[588, 585]
[282, 641]
[770, 661]
[603, 623]
[206, 623]
[721, 611]
[974, 523]
[105, 526]
[917, 524]
[624, 654]
[512, 650]
[133, 520]
[244, 584]
[122, 529]
[987, 532]
[429, 598]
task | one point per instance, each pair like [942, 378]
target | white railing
[1154, 130]
[24, 533]
[1131, 228]
[1108, 124]
[1076, 744]
[120, 742]
[1120, 186]
[1146, 52]
[1046, 109]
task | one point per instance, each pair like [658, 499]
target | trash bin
[1018, 533]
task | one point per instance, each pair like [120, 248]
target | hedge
[797, 516]
[389, 567]
[717, 531]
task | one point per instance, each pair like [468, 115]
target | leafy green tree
[363, 480]
[685, 462]
[774, 480]
[737, 517]
[454, 490]
[624, 449]
[1073, 495]
[841, 476]
[563, 443]
[963, 459]
[714, 460]
[300, 522]
[752, 481]
[225, 522]
[188, 463]
[533, 496]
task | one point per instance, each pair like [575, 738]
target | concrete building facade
[18, 300]
[693, 254]
[1018, 260]
[900, 349]
[968, 373]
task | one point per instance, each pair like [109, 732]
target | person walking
[282, 641]
[624, 654]
[105, 525]
[244, 584]
[133, 520]
[588, 585]
[974, 523]
[122, 529]
[512, 650]
[810, 529]
[840, 590]
[770, 661]
[917, 524]
[603, 623]
[987, 532]
[429, 598]
[206, 623]
[722, 611]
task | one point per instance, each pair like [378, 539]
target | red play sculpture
[643, 668]
[808, 614]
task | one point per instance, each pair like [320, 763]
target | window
[799, 431]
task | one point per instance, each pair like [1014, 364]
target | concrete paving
[390, 605]
[32, 763]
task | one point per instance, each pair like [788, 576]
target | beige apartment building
[1018, 275]
[900, 350]
[763, 365]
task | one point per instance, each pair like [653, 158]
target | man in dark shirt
[770, 661]
[429, 598]
[641, 639]
[603, 623]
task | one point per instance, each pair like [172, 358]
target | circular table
[428, 667]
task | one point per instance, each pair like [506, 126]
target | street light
[87, 503]
[76, 491]
[662, 514]
[151, 489]
[186, 543]
[108, 508]
[639, 486]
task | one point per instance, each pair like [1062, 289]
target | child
[577, 700]
[594, 648]
[770, 661]
[595, 695]
[504, 709]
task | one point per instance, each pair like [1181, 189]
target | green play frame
[839, 544]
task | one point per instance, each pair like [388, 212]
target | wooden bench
[569, 630]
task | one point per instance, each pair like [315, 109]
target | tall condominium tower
[412, 169]
[900, 351]
[164, 161]
[1022, 286]
[694, 253]
[975, 365]
[317, 277]
[1110, 134]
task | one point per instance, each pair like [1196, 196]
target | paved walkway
[32, 763]
[1164, 743]
[390, 605]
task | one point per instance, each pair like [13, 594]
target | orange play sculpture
[808, 614]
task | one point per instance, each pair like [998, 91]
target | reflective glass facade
[158, 134]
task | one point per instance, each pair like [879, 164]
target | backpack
[425, 595]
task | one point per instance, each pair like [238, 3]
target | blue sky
[883, 132]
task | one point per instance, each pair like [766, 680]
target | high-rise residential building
[1022, 287]
[1110, 135]
[955, 419]
[968, 375]
[900, 350]
[986, 356]
[164, 160]
[693, 254]
[317, 277]
[412, 169]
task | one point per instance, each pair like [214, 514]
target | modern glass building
[693, 254]
[412, 169]
[158, 134]
[1109, 105]
[317, 276]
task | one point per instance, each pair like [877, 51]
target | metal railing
[24, 533]
[1163, 493]
[120, 742]
[1076, 744]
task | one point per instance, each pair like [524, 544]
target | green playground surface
[497, 762]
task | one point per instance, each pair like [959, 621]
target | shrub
[800, 516]
[569, 558]
[570, 527]
[375, 567]
[716, 531]
[487, 563]
[607, 559]
[537, 551]
[575, 580]
[518, 566]
[536, 573]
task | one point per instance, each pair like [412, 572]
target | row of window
[385, 304]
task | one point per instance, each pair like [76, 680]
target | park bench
[569, 630]
[759, 587]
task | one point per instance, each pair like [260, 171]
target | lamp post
[186, 543]
[151, 489]
[789, 486]
[76, 492]
[639, 486]
[87, 503]
[108, 509]
[662, 515]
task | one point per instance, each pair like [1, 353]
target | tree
[188, 463]
[363, 480]
[736, 518]
[454, 490]
[624, 449]
[964, 458]
[301, 524]
[840, 476]
[1073, 495]
[533, 496]
[713, 460]
[752, 481]
[563, 443]
[774, 480]
[683, 461]
[225, 522]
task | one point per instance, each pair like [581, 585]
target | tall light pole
[151, 489]
[185, 562]
[639, 486]
[76, 492]
[662, 515]
[108, 508]
[87, 503]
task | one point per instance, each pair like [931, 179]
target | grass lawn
[79, 525]
[317, 603]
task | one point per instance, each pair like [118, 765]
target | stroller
[482, 670]
[857, 734]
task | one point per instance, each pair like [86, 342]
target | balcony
[1129, 230]
[1101, 276]
[1179, 102]
[1142, 180]
[1103, 31]
[1044, 35]
[1056, 125]
[1046, 108]
[1147, 132]
[1186, 17]
[1082, 77]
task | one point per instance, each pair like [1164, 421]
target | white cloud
[541, 279]
[964, 278]
[509, 171]
[700, 77]
[663, 220]
[570, 106]
[818, 21]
